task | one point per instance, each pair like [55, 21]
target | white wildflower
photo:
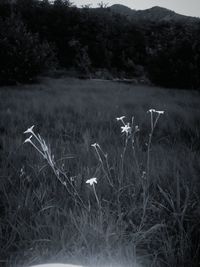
[160, 111]
[156, 111]
[94, 145]
[120, 118]
[151, 110]
[29, 130]
[28, 140]
[92, 181]
[126, 129]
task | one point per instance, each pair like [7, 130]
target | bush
[22, 55]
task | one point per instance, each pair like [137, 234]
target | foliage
[22, 56]
[175, 61]
[105, 39]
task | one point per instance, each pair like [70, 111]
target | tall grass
[142, 205]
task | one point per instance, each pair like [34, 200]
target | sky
[185, 7]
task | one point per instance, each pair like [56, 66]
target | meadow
[144, 208]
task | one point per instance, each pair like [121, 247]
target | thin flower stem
[37, 149]
[157, 118]
[151, 121]
[95, 193]
[57, 172]
[135, 157]
[153, 125]
[148, 152]
[102, 164]
[108, 168]
[123, 156]
[123, 122]
[39, 139]
[46, 153]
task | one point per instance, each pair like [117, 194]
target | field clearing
[157, 220]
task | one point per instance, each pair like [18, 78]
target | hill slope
[155, 13]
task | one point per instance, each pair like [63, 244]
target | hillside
[155, 13]
[123, 10]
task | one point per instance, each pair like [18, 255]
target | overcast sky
[186, 7]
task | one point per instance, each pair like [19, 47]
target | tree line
[39, 35]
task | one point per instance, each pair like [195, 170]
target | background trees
[22, 54]
[166, 52]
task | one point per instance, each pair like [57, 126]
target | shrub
[22, 55]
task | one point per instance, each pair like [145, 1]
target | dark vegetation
[22, 54]
[156, 45]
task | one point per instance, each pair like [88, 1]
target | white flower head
[160, 111]
[29, 130]
[151, 110]
[92, 181]
[28, 140]
[126, 129]
[156, 111]
[120, 118]
[95, 145]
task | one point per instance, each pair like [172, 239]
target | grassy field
[145, 207]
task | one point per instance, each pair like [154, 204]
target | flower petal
[29, 130]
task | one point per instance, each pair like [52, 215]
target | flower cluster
[42, 147]
[155, 111]
[128, 128]
[154, 119]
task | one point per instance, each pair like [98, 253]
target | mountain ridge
[155, 13]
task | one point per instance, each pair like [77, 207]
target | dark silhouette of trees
[102, 4]
[88, 39]
[174, 58]
[22, 54]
